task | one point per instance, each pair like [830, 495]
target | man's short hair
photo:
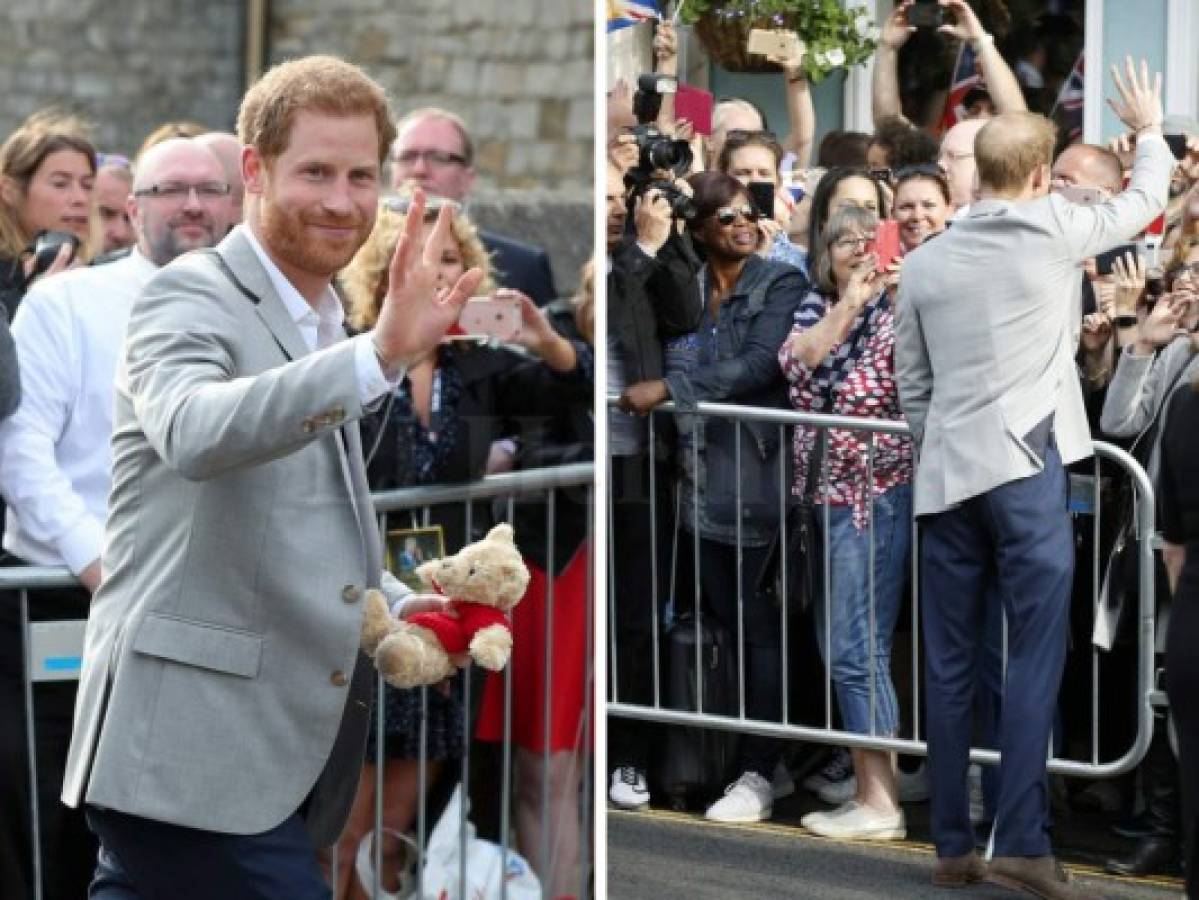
[843, 148]
[1010, 147]
[904, 144]
[323, 84]
[436, 112]
[739, 140]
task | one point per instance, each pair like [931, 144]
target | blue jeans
[861, 661]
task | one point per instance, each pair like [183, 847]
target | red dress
[570, 669]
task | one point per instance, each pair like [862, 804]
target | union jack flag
[965, 79]
[623, 13]
[1067, 110]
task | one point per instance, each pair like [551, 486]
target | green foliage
[835, 37]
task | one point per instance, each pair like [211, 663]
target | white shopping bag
[485, 870]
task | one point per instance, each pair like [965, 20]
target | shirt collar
[328, 310]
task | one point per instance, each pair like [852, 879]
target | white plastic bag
[485, 871]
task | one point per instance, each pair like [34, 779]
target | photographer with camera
[653, 294]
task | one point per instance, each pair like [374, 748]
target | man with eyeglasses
[56, 455]
[434, 150]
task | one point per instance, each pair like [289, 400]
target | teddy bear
[483, 582]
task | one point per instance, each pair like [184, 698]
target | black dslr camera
[45, 248]
[657, 152]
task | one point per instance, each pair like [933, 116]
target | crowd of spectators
[81, 233]
[739, 273]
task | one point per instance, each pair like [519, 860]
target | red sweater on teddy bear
[455, 634]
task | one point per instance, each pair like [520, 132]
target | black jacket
[503, 395]
[650, 299]
[521, 267]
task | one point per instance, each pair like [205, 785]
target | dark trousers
[761, 627]
[68, 849]
[635, 550]
[1014, 541]
[1182, 686]
[141, 859]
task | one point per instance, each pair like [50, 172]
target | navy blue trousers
[1013, 545]
[141, 859]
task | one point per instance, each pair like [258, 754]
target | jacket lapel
[251, 278]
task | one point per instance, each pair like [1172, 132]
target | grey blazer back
[222, 684]
[987, 325]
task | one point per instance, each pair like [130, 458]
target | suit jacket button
[338, 679]
[351, 593]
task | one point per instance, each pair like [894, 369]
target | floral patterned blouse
[859, 375]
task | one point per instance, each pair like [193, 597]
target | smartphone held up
[495, 317]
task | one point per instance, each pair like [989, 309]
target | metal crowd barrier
[53, 652]
[1146, 696]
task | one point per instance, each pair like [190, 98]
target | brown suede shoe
[1040, 876]
[959, 871]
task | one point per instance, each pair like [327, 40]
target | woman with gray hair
[839, 359]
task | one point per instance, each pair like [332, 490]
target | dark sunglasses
[727, 215]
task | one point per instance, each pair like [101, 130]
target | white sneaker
[748, 799]
[913, 786]
[628, 789]
[782, 784]
[837, 767]
[855, 821]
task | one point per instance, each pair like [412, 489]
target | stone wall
[127, 65]
[519, 71]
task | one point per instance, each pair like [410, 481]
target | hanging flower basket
[835, 37]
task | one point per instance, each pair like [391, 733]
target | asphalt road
[660, 855]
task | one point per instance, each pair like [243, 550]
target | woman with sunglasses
[839, 359]
[748, 307]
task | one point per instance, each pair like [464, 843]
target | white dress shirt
[324, 326]
[55, 451]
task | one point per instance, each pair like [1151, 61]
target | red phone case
[886, 243]
[695, 105]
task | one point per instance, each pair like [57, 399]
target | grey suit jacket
[222, 683]
[1141, 390]
[987, 324]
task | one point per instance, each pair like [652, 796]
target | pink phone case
[495, 317]
[695, 105]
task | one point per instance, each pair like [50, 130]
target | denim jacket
[736, 362]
